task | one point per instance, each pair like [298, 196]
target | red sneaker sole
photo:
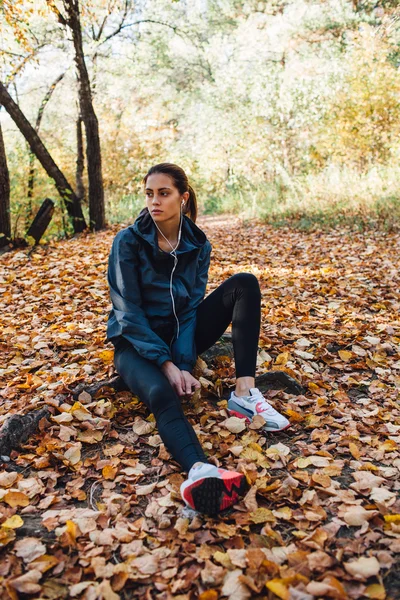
[211, 495]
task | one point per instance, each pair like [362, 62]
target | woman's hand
[189, 382]
[181, 381]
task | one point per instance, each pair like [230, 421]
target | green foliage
[273, 108]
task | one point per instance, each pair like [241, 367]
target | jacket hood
[192, 237]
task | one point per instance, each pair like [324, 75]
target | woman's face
[163, 196]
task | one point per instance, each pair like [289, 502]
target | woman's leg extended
[238, 301]
[147, 381]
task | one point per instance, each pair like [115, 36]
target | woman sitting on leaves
[160, 322]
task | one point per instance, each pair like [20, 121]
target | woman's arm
[131, 320]
[184, 348]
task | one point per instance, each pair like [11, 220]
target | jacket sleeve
[184, 352]
[131, 320]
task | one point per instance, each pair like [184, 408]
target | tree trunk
[18, 428]
[5, 220]
[80, 163]
[72, 204]
[41, 220]
[31, 177]
[93, 150]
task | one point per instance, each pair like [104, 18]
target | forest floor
[90, 506]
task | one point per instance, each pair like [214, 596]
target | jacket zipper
[173, 303]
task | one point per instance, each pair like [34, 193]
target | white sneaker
[256, 404]
[210, 489]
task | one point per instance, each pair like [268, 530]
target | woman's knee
[247, 281]
[159, 397]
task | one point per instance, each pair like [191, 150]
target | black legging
[238, 301]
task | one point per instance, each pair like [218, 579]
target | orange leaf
[109, 472]
[354, 451]
[293, 415]
[209, 595]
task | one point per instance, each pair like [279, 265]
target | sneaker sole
[235, 413]
[211, 495]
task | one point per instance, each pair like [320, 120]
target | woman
[160, 322]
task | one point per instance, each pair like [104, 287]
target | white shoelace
[258, 397]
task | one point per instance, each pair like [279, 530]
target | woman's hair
[180, 181]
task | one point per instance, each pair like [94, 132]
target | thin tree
[66, 192]
[5, 220]
[71, 19]
[80, 160]
[31, 176]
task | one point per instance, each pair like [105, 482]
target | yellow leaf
[314, 387]
[13, 522]
[109, 472]
[283, 513]
[107, 355]
[223, 559]
[278, 588]
[354, 451]
[370, 363]
[282, 359]
[72, 530]
[388, 446]
[345, 355]
[375, 591]
[262, 515]
[250, 454]
[369, 467]
[392, 518]
[16, 499]
[255, 446]
[6, 536]
[379, 358]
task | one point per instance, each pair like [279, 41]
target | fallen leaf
[279, 588]
[363, 567]
[357, 515]
[16, 499]
[142, 427]
[234, 424]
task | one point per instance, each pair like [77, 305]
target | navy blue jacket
[139, 273]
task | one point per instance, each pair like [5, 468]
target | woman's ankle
[242, 393]
[243, 385]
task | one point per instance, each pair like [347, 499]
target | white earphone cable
[172, 253]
